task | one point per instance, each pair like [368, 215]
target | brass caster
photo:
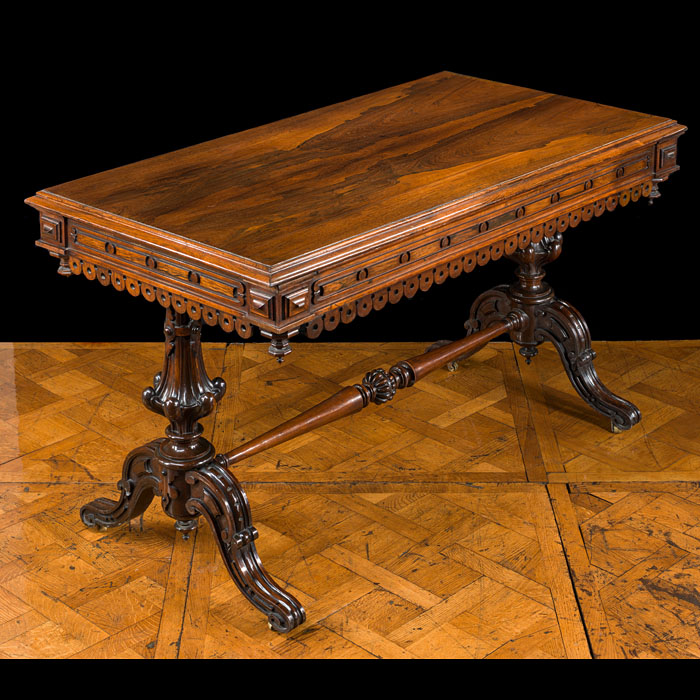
[452, 366]
[269, 625]
[186, 526]
[102, 528]
[615, 428]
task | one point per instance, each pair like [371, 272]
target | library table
[309, 222]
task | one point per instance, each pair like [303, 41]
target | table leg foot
[138, 486]
[218, 496]
[564, 326]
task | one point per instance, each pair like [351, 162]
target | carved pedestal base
[182, 468]
[554, 320]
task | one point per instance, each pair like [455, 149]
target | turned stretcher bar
[378, 386]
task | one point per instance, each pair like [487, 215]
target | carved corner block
[51, 230]
[665, 163]
[296, 302]
[262, 303]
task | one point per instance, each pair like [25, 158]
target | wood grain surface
[485, 513]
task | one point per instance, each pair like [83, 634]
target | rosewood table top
[306, 222]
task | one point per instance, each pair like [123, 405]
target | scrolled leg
[138, 486]
[564, 326]
[217, 495]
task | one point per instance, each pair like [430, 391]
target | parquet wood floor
[486, 513]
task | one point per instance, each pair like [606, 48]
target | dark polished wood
[310, 222]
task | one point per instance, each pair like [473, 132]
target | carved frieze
[326, 289]
[468, 261]
[90, 254]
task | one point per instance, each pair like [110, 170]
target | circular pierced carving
[524, 239]
[245, 330]
[119, 283]
[599, 207]
[611, 202]
[426, 280]
[410, 287]
[331, 320]
[194, 310]
[209, 316]
[226, 322]
[636, 194]
[348, 312]
[102, 276]
[395, 292]
[75, 266]
[364, 306]
[469, 262]
[562, 224]
[441, 273]
[574, 219]
[624, 199]
[496, 250]
[550, 228]
[89, 270]
[646, 189]
[455, 268]
[313, 329]
[536, 233]
[179, 304]
[379, 300]
[587, 213]
[149, 292]
[511, 244]
[483, 256]
[133, 287]
[163, 298]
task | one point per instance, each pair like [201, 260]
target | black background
[92, 94]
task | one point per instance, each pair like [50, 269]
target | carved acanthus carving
[182, 391]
